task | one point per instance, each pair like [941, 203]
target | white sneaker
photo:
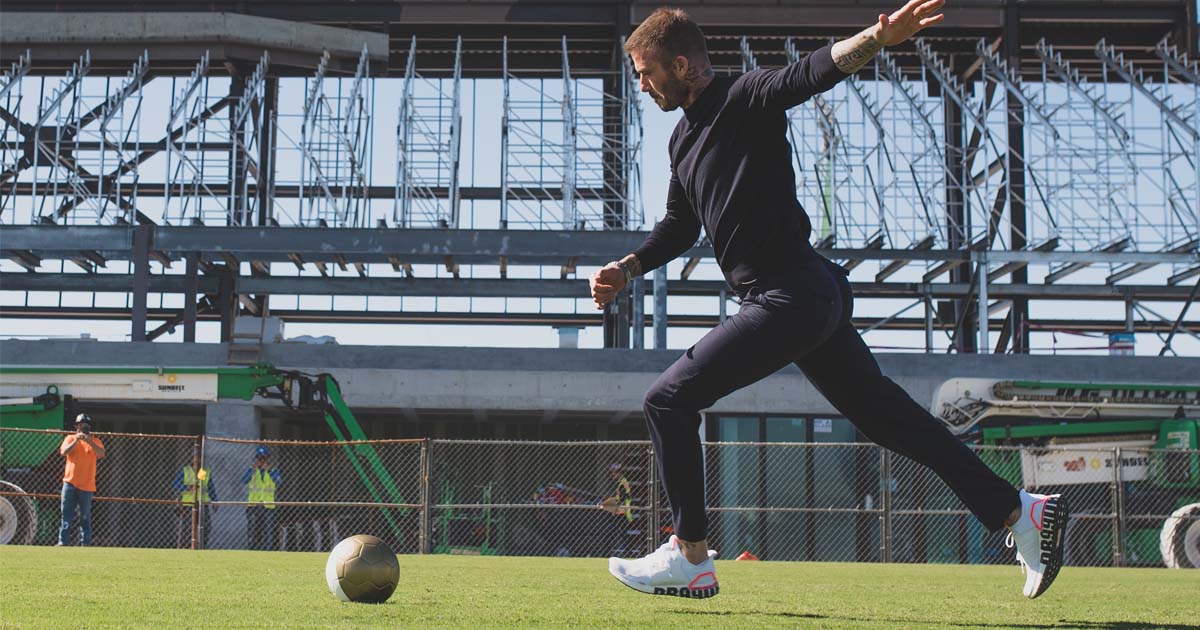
[668, 572]
[1039, 536]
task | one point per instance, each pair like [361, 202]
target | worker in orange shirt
[82, 450]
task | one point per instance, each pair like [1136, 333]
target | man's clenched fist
[605, 284]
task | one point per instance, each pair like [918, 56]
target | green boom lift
[1075, 428]
[45, 398]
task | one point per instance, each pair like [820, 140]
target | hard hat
[261, 452]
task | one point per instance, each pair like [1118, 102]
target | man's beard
[674, 93]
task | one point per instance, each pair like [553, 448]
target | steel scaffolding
[84, 135]
[428, 146]
[329, 145]
[569, 150]
[11, 134]
[909, 165]
[198, 164]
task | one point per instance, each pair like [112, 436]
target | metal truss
[428, 145]
[908, 163]
[197, 154]
[608, 134]
[569, 150]
[11, 133]
[329, 140]
[84, 134]
[823, 134]
[855, 174]
[1086, 164]
[74, 151]
[983, 154]
[252, 161]
[1169, 217]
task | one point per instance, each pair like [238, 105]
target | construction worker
[618, 504]
[620, 501]
[81, 450]
[191, 484]
[261, 482]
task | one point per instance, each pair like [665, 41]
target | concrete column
[226, 463]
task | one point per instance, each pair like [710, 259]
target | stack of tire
[1180, 539]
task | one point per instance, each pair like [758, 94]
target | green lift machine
[1075, 429]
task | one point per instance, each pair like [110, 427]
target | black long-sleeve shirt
[731, 172]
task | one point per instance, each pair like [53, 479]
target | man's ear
[680, 66]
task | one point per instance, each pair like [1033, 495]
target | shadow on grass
[1062, 624]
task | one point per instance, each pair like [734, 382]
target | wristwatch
[625, 270]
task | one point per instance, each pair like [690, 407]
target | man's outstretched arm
[787, 87]
[851, 54]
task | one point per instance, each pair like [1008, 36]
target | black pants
[803, 318]
[260, 525]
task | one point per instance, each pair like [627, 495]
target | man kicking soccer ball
[731, 172]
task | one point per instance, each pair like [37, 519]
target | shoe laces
[1011, 542]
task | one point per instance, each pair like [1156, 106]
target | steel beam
[376, 316]
[143, 237]
[1017, 214]
[549, 288]
[191, 291]
[467, 246]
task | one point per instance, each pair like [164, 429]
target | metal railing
[780, 501]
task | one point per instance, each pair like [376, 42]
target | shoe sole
[1054, 533]
[672, 591]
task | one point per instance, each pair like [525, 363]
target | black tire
[1180, 538]
[18, 516]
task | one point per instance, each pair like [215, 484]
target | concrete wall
[572, 379]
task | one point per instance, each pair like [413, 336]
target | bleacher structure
[968, 172]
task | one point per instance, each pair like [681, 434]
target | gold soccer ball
[362, 568]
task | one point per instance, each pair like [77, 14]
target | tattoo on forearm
[633, 264]
[851, 54]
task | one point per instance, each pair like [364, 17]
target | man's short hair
[667, 34]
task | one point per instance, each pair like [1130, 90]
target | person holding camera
[82, 450]
[261, 480]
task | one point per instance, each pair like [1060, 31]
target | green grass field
[72, 588]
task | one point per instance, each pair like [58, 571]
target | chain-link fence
[780, 501]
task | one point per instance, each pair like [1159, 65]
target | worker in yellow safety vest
[192, 484]
[619, 503]
[261, 482]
